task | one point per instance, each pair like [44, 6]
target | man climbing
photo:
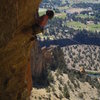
[39, 25]
[41, 22]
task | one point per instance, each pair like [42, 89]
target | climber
[41, 21]
[39, 25]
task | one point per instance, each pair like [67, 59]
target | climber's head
[50, 14]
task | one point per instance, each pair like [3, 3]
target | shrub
[58, 60]
[53, 89]
[50, 78]
[66, 92]
[70, 86]
[60, 96]
[60, 88]
[80, 95]
[48, 89]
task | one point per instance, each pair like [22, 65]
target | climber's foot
[34, 37]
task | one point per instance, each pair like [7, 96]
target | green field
[78, 25]
[84, 16]
[61, 15]
[64, 7]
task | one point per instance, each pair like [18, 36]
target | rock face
[14, 14]
[40, 57]
[36, 59]
[15, 73]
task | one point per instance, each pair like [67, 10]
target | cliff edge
[15, 73]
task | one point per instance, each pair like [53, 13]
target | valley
[75, 34]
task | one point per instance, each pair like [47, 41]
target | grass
[78, 25]
[94, 27]
[61, 15]
[93, 73]
[84, 16]
[63, 7]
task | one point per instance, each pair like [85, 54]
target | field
[78, 25]
[63, 7]
[84, 16]
[61, 15]
[78, 10]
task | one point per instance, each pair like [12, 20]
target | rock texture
[36, 60]
[14, 14]
[40, 57]
[15, 73]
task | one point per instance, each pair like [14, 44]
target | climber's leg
[37, 29]
[33, 30]
[34, 37]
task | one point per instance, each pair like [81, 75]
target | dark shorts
[36, 28]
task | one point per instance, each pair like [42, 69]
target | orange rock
[15, 73]
[29, 78]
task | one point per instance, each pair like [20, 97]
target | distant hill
[87, 56]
